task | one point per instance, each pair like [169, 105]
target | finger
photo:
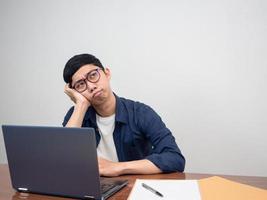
[67, 88]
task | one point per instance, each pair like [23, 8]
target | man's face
[96, 82]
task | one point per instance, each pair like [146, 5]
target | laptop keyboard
[106, 187]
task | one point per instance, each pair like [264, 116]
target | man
[131, 137]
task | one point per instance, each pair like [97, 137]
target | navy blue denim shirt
[139, 134]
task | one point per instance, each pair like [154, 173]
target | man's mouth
[98, 93]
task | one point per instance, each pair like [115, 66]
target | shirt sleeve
[67, 116]
[166, 154]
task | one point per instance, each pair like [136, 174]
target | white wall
[202, 65]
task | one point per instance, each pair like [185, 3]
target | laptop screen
[53, 160]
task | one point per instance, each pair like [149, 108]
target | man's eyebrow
[85, 75]
[82, 79]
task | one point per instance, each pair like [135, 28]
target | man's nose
[90, 86]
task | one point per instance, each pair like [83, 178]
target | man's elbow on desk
[168, 162]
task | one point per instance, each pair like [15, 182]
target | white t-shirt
[106, 147]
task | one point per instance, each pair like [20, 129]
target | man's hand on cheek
[76, 97]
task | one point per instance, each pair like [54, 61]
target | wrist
[83, 105]
[123, 168]
[80, 110]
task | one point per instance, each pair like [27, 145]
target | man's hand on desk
[109, 168]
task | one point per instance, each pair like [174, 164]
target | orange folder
[217, 188]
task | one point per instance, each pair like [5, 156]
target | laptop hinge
[89, 197]
[23, 189]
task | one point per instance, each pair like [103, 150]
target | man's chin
[96, 101]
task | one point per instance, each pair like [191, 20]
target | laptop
[56, 161]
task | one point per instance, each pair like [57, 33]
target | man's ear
[107, 72]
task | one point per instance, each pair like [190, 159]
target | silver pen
[152, 190]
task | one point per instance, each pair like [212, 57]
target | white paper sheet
[171, 190]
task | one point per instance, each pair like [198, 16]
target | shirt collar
[121, 111]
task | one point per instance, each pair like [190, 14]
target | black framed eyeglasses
[92, 76]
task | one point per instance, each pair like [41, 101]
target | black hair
[76, 62]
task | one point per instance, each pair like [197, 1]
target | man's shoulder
[133, 104]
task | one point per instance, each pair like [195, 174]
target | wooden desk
[7, 193]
